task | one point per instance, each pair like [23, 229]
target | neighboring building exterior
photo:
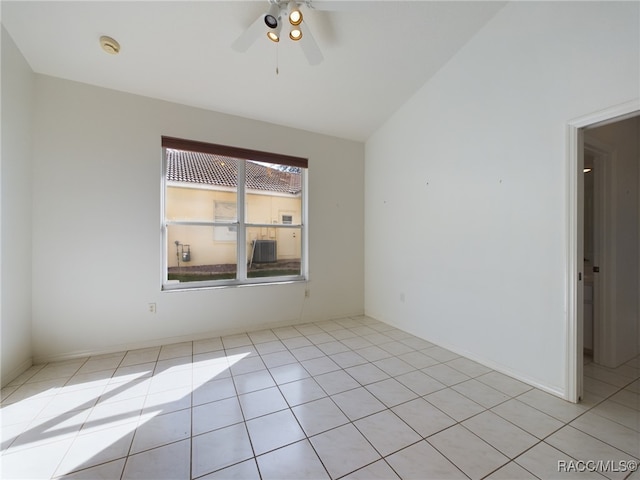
[202, 188]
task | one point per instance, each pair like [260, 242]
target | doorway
[614, 336]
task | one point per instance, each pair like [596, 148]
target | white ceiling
[376, 55]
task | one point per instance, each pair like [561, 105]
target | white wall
[624, 138]
[466, 185]
[97, 248]
[15, 198]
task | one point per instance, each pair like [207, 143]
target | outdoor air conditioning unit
[265, 251]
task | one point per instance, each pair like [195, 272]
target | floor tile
[132, 414]
[343, 450]
[293, 462]
[421, 461]
[387, 432]
[619, 413]
[296, 342]
[528, 418]
[162, 429]
[101, 362]
[453, 404]
[262, 402]
[336, 382]
[373, 353]
[468, 367]
[284, 333]
[21, 464]
[480, 393]
[317, 366]
[96, 447]
[501, 434]
[545, 462]
[581, 446]
[348, 359]
[418, 359]
[214, 390]
[468, 452]
[302, 391]
[553, 406]
[393, 366]
[508, 385]
[391, 392]
[445, 374]
[246, 470]
[167, 462]
[247, 365]
[420, 382]
[168, 401]
[439, 353]
[627, 398]
[207, 345]
[379, 470]
[277, 359]
[273, 431]
[307, 353]
[184, 349]
[358, 403]
[367, 373]
[250, 382]
[219, 449]
[232, 341]
[288, 373]
[270, 347]
[319, 416]
[105, 471]
[319, 339]
[423, 417]
[214, 415]
[511, 471]
[616, 435]
[262, 336]
[143, 355]
[396, 348]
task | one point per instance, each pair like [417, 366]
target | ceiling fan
[281, 16]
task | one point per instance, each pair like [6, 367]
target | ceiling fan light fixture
[271, 17]
[295, 15]
[295, 34]
[274, 33]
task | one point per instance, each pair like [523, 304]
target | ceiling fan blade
[250, 35]
[310, 47]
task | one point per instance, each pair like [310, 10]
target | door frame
[575, 250]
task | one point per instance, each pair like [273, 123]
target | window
[231, 216]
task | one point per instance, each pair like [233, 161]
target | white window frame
[241, 225]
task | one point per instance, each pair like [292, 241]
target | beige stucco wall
[217, 245]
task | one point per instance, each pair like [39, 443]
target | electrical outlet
[307, 293]
[152, 308]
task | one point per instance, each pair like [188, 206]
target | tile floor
[352, 398]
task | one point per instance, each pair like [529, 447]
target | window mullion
[241, 262]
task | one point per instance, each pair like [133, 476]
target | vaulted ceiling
[376, 54]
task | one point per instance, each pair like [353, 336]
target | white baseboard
[490, 364]
[158, 342]
[16, 372]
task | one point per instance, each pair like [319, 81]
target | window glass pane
[273, 193]
[201, 187]
[193, 254]
[273, 251]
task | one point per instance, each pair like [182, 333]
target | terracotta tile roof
[209, 169]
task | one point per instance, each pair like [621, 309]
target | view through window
[231, 216]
